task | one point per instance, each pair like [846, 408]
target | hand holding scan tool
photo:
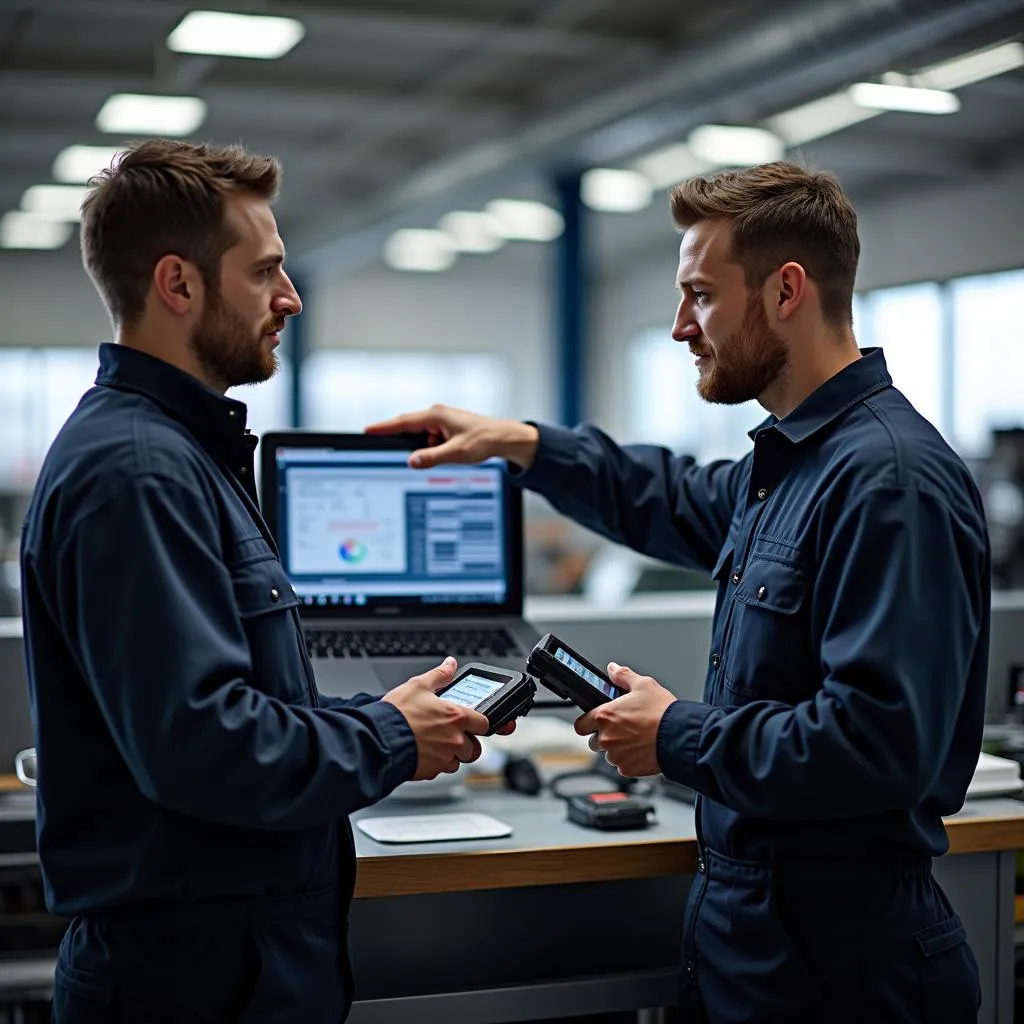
[626, 729]
[446, 732]
[502, 695]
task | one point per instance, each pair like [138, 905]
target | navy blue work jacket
[845, 690]
[184, 752]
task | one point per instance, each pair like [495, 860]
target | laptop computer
[395, 567]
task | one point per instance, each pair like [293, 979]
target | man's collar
[217, 421]
[850, 386]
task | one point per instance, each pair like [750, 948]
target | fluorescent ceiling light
[732, 146]
[153, 115]
[58, 202]
[20, 230]
[472, 231]
[235, 35]
[615, 191]
[79, 163]
[876, 96]
[526, 220]
[818, 118]
[419, 249]
[670, 165]
[971, 67]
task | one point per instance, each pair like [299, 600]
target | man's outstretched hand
[463, 437]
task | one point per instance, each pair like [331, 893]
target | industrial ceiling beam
[330, 20]
[56, 76]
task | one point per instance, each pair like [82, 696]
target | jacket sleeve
[148, 607]
[899, 608]
[643, 496]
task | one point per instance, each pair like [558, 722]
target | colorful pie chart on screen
[352, 551]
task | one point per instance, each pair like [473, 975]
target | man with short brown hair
[845, 691]
[193, 785]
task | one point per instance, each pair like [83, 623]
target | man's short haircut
[162, 197]
[780, 212]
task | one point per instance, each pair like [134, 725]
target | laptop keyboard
[404, 643]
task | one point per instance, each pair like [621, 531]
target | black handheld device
[500, 694]
[570, 675]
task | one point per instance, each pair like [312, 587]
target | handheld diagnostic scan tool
[500, 694]
[570, 675]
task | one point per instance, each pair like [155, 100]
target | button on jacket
[184, 752]
[845, 692]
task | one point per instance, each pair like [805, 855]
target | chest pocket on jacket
[770, 656]
[266, 604]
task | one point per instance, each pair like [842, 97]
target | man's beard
[746, 363]
[228, 350]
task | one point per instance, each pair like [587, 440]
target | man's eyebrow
[270, 259]
[693, 282]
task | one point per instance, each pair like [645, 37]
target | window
[61, 377]
[17, 451]
[664, 407]
[907, 324]
[988, 358]
[345, 390]
[39, 389]
[862, 321]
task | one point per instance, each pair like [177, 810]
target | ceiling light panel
[77, 164]
[526, 220]
[152, 115]
[971, 67]
[818, 118]
[235, 35]
[20, 230]
[58, 202]
[419, 250]
[472, 231]
[610, 190]
[733, 146]
[877, 96]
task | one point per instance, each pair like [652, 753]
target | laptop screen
[359, 531]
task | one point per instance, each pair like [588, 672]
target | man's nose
[685, 327]
[288, 302]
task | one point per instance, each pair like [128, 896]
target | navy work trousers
[824, 942]
[277, 960]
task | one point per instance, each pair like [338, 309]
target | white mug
[25, 766]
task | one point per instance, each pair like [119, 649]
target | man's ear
[790, 289]
[178, 284]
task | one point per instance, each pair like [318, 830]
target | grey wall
[944, 233]
[47, 299]
[499, 303]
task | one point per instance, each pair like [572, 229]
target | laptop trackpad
[345, 677]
